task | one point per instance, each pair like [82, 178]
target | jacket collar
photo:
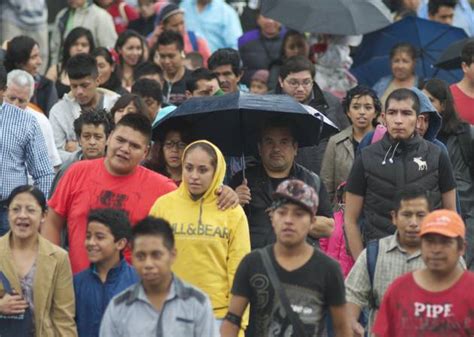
[113, 273]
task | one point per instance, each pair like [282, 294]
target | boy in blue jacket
[108, 232]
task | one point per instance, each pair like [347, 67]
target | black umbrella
[450, 59]
[233, 122]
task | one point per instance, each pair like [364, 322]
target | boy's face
[291, 224]
[152, 259]
[153, 106]
[257, 87]
[100, 244]
[84, 89]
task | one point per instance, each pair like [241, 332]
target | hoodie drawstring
[388, 152]
[384, 161]
[393, 154]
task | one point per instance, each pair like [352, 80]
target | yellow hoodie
[210, 242]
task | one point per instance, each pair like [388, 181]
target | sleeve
[447, 181]
[106, 34]
[131, 12]
[61, 199]
[236, 180]
[63, 306]
[324, 207]
[356, 183]
[58, 132]
[206, 322]
[37, 159]
[358, 283]
[49, 138]
[327, 169]
[241, 285]
[108, 325]
[335, 291]
[232, 29]
[383, 322]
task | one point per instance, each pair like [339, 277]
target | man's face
[175, 23]
[126, 149]
[93, 141]
[152, 106]
[440, 253]
[74, 4]
[17, 96]
[408, 219]
[423, 123]
[171, 58]
[205, 88]
[298, 85]
[152, 259]
[84, 90]
[291, 224]
[228, 80]
[445, 14]
[400, 119]
[277, 150]
[269, 27]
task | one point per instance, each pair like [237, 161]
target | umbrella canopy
[341, 17]
[233, 122]
[451, 57]
[372, 60]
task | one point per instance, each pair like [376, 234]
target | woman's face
[120, 113]
[436, 102]
[198, 171]
[80, 46]
[33, 64]
[25, 216]
[362, 112]
[296, 46]
[131, 51]
[105, 69]
[173, 148]
[403, 66]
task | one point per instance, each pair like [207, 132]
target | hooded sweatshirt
[210, 242]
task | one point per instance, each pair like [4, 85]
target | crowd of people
[114, 223]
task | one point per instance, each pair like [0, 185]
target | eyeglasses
[169, 144]
[295, 83]
[16, 210]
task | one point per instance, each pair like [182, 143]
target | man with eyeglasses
[296, 79]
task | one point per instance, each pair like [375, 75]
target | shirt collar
[393, 244]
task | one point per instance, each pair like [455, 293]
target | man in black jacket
[401, 158]
[277, 149]
[297, 80]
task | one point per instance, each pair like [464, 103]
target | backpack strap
[193, 40]
[372, 251]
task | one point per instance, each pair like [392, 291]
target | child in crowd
[259, 82]
[108, 232]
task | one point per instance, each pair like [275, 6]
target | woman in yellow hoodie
[210, 242]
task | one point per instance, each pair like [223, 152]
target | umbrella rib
[421, 48]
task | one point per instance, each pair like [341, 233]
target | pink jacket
[335, 246]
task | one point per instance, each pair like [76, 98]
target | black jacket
[45, 95]
[261, 188]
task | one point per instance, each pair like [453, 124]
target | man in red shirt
[118, 181]
[436, 300]
[463, 91]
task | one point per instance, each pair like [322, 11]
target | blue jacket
[93, 296]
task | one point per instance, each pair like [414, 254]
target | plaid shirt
[22, 150]
[392, 262]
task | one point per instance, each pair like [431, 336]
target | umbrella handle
[243, 165]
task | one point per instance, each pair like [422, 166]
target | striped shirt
[22, 151]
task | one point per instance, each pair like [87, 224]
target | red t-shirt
[117, 10]
[87, 185]
[407, 310]
[463, 103]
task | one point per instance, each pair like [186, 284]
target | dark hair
[467, 53]
[34, 191]
[125, 100]
[277, 123]
[18, 52]
[138, 122]
[196, 59]
[124, 37]
[115, 219]
[169, 37]
[288, 35]
[360, 91]
[226, 56]
[296, 64]
[95, 117]
[82, 65]
[410, 192]
[152, 226]
[3, 77]
[146, 68]
[71, 38]
[146, 87]
[206, 148]
[198, 75]
[114, 82]
[403, 47]
[439, 89]
[434, 5]
[401, 95]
